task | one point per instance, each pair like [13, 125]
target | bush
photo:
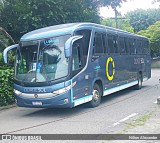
[6, 85]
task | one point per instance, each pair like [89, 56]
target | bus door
[81, 88]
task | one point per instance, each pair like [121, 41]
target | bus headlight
[17, 92]
[63, 90]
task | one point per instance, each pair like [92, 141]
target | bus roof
[64, 29]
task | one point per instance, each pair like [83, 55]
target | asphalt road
[111, 117]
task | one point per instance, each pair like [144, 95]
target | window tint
[139, 46]
[126, 45]
[77, 56]
[110, 43]
[146, 47]
[133, 49]
[122, 45]
[115, 44]
[130, 45]
[98, 44]
[85, 42]
[104, 38]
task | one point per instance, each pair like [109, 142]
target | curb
[7, 107]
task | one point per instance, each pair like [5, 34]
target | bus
[70, 64]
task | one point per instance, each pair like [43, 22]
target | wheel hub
[95, 95]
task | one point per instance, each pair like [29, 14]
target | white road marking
[126, 118]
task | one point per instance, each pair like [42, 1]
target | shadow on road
[126, 93]
[67, 112]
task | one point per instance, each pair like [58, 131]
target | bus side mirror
[6, 50]
[69, 43]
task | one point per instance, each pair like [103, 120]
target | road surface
[114, 115]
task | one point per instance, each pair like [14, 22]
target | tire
[96, 98]
[139, 85]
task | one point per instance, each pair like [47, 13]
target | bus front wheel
[96, 98]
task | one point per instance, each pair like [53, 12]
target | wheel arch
[100, 84]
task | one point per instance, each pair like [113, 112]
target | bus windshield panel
[41, 60]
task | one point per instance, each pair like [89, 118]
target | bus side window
[139, 46]
[115, 44]
[146, 47]
[126, 45]
[122, 45]
[110, 43]
[77, 58]
[134, 46]
[98, 44]
[105, 44]
[142, 47]
[130, 46]
[85, 42]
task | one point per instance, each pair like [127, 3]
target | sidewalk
[7, 107]
[147, 124]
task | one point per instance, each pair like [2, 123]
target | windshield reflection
[41, 61]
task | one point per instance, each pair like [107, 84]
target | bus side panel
[122, 72]
[148, 66]
[82, 90]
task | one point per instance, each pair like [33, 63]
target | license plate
[36, 103]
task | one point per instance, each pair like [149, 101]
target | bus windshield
[41, 60]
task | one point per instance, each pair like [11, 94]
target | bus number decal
[110, 77]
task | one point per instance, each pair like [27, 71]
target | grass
[138, 122]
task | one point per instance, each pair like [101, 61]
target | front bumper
[58, 101]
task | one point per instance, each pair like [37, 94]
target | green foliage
[153, 33]
[6, 86]
[20, 17]
[141, 19]
[112, 3]
[123, 24]
[0, 57]
[5, 40]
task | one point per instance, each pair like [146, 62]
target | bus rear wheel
[139, 85]
[96, 98]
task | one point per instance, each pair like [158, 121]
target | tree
[19, 17]
[141, 19]
[112, 3]
[153, 33]
[123, 24]
[5, 40]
